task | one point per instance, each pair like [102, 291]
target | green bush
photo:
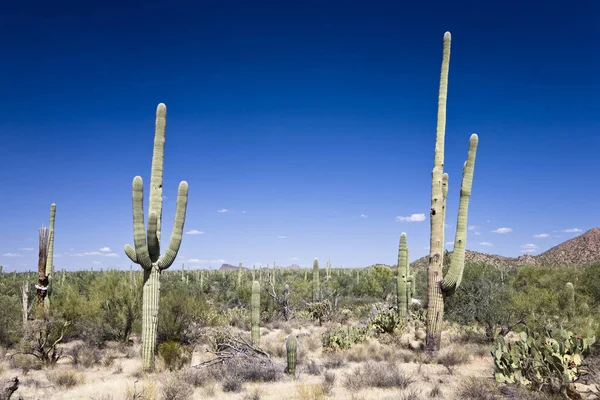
[174, 355]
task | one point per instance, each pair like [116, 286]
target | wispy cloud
[26, 249]
[572, 230]
[97, 263]
[294, 259]
[472, 227]
[200, 261]
[486, 244]
[12, 255]
[223, 210]
[105, 249]
[502, 230]
[477, 233]
[411, 218]
[448, 226]
[363, 215]
[244, 212]
[112, 255]
[529, 248]
[541, 235]
[281, 237]
[450, 243]
[194, 232]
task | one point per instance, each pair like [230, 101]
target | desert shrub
[10, 317]
[334, 360]
[320, 310]
[328, 382]
[256, 394]
[232, 383]
[65, 378]
[239, 317]
[343, 337]
[380, 376]
[196, 377]
[177, 312]
[451, 357]
[307, 391]
[82, 354]
[176, 388]
[314, 368]
[548, 361]
[174, 355]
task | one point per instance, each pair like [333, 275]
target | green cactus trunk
[255, 313]
[291, 346]
[239, 276]
[401, 287]
[439, 286]
[146, 250]
[316, 282]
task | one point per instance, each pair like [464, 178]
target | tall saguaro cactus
[402, 287]
[147, 243]
[439, 286]
[315, 281]
[50, 257]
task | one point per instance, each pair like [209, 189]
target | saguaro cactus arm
[454, 275]
[177, 233]
[50, 258]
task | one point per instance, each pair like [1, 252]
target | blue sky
[311, 126]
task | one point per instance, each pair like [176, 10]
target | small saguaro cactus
[439, 286]
[239, 275]
[255, 313]
[316, 282]
[570, 289]
[146, 250]
[402, 287]
[291, 345]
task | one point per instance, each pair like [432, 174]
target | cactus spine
[255, 311]
[439, 286]
[147, 244]
[402, 290]
[291, 345]
[316, 283]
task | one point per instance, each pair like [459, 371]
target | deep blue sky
[312, 124]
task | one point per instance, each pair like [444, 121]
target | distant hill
[229, 267]
[581, 250]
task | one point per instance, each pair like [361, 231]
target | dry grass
[378, 376]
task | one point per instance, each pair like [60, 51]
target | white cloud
[472, 227]
[541, 235]
[97, 263]
[486, 244]
[529, 248]
[477, 233]
[112, 255]
[222, 210]
[91, 253]
[363, 215]
[105, 249]
[194, 232]
[502, 230]
[294, 258]
[573, 230]
[450, 243]
[281, 237]
[412, 218]
[12, 255]
[26, 249]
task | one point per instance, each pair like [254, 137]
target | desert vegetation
[449, 328]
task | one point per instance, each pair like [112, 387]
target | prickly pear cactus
[290, 347]
[255, 310]
[146, 250]
[552, 358]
